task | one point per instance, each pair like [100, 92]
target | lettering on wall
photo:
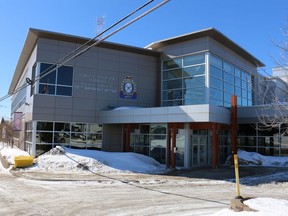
[97, 83]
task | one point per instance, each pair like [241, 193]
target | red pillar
[215, 145]
[234, 125]
[174, 130]
[168, 147]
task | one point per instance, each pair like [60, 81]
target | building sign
[128, 88]
[17, 123]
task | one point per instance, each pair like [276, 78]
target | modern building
[170, 100]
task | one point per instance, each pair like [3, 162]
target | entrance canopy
[190, 113]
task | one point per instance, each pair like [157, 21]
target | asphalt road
[189, 192]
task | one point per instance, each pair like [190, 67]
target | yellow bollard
[237, 176]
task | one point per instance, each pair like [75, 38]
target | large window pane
[215, 61]
[51, 75]
[216, 94]
[172, 74]
[62, 126]
[194, 82]
[65, 91]
[194, 71]
[46, 89]
[229, 78]
[216, 83]
[45, 126]
[172, 84]
[228, 67]
[216, 72]
[170, 64]
[228, 88]
[192, 60]
[65, 75]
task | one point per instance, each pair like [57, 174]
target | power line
[82, 50]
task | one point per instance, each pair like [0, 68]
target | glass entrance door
[199, 150]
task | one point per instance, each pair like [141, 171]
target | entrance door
[199, 156]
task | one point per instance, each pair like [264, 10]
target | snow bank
[253, 158]
[66, 160]
[263, 207]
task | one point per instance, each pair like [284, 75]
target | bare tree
[273, 91]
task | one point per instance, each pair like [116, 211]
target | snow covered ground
[65, 160]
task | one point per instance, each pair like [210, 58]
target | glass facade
[184, 82]
[227, 80]
[150, 140]
[50, 134]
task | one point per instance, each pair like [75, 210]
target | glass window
[172, 74]
[216, 102]
[216, 72]
[227, 97]
[62, 126]
[51, 75]
[65, 75]
[237, 72]
[194, 82]
[65, 91]
[94, 128]
[45, 126]
[46, 89]
[194, 59]
[170, 64]
[215, 61]
[237, 81]
[228, 87]
[217, 83]
[194, 71]
[228, 78]
[228, 67]
[172, 84]
[76, 127]
[216, 94]
[238, 91]
[194, 93]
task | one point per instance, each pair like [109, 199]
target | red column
[234, 125]
[174, 130]
[215, 145]
[168, 147]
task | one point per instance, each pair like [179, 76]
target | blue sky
[252, 24]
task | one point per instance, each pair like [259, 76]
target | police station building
[170, 100]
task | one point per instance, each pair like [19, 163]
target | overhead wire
[82, 49]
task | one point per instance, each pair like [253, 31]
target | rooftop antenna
[100, 23]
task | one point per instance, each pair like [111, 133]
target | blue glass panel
[65, 75]
[215, 61]
[228, 67]
[172, 84]
[217, 83]
[216, 94]
[216, 102]
[228, 87]
[194, 82]
[194, 71]
[46, 89]
[65, 91]
[194, 59]
[50, 77]
[228, 77]
[216, 72]
[172, 74]
[170, 64]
